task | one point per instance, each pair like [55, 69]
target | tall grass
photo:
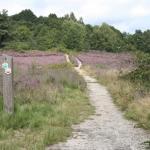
[131, 95]
[121, 90]
[48, 100]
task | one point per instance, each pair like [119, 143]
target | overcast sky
[126, 15]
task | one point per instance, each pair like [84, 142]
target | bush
[141, 75]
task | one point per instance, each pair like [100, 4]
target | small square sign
[5, 66]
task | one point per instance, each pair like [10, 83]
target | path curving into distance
[107, 129]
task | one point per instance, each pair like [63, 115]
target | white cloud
[140, 11]
[126, 15]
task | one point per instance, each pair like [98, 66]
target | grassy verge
[132, 97]
[47, 102]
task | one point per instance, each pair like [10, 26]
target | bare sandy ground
[107, 129]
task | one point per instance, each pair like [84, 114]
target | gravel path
[106, 129]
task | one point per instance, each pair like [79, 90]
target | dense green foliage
[141, 40]
[141, 74]
[26, 31]
[4, 23]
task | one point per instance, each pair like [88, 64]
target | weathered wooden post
[8, 83]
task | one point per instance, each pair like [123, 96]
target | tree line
[26, 31]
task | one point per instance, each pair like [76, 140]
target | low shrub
[141, 75]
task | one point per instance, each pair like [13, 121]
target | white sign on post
[8, 83]
[6, 68]
[8, 71]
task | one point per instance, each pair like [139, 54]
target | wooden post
[8, 84]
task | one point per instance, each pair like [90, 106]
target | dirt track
[106, 129]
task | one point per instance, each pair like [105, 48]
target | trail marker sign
[7, 66]
[8, 71]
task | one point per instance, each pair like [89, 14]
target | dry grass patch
[140, 111]
[132, 98]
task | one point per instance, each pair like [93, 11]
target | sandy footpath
[107, 129]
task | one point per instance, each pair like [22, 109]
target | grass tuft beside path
[132, 98]
[47, 102]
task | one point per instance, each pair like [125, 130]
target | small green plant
[59, 66]
[146, 144]
[102, 66]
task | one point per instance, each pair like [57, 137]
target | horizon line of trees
[26, 31]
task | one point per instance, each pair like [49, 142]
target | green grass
[44, 112]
